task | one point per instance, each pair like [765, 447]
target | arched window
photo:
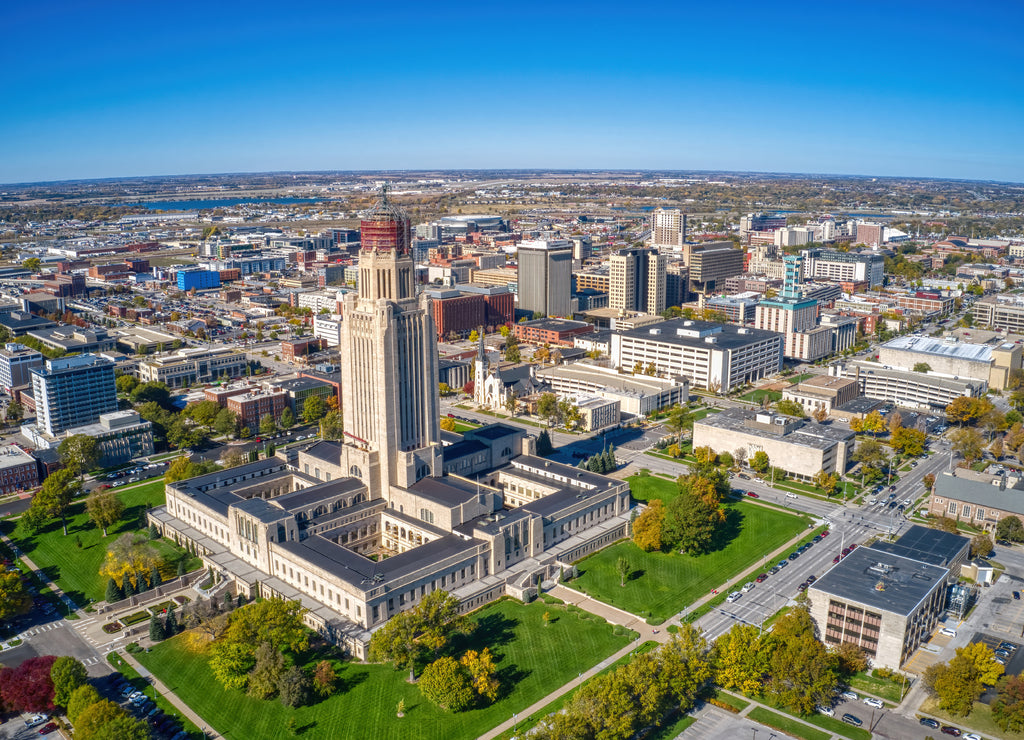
[355, 472]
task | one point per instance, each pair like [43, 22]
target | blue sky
[889, 88]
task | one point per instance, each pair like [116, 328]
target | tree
[908, 442]
[965, 410]
[81, 698]
[14, 598]
[474, 336]
[67, 674]
[182, 468]
[439, 619]
[313, 409]
[968, 443]
[287, 418]
[225, 422]
[928, 481]
[104, 508]
[268, 668]
[827, 482]
[894, 422]
[332, 426]
[547, 406]
[819, 414]
[996, 448]
[56, 495]
[92, 719]
[294, 687]
[482, 673]
[874, 423]
[29, 687]
[14, 412]
[1010, 528]
[512, 403]
[790, 408]
[130, 554]
[955, 684]
[544, 446]
[981, 546]
[203, 412]
[33, 264]
[622, 566]
[922, 367]
[1008, 708]
[740, 658]
[444, 389]
[114, 592]
[267, 424]
[984, 661]
[690, 522]
[740, 456]
[801, 672]
[512, 353]
[156, 629]
[396, 643]
[647, 527]
[760, 462]
[870, 453]
[447, 424]
[153, 391]
[445, 683]
[679, 419]
[705, 460]
[324, 678]
[79, 453]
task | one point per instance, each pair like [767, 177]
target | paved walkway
[69, 605]
[160, 686]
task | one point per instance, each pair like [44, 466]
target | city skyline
[896, 90]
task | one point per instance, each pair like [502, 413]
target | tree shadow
[491, 631]
[305, 728]
[727, 531]
[350, 678]
[636, 575]
[509, 677]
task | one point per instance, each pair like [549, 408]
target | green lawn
[76, 569]
[663, 583]
[881, 687]
[786, 724]
[132, 676]
[800, 378]
[462, 427]
[760, 395]
[532, 660]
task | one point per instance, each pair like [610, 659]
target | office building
[711, 265]
[251, 406]
[121, 436]
[545, 277]
[16, 362]
[559, 332]
[762, 222]
[872, 235]
[822, 392]
[198, 279]
[668, 229]
[997, 312]
[950, 358]
[72, 392]
[906, 388]
[638, 395]
[68, 339]
[717, 357]
[801, 448]
[637, 280]
[795, 317]
[191, 365]
[827, 264]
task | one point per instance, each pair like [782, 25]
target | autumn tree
[961, 682]
[894, 422]
[801, 673]
[67, 674]
[129, 555]
[332, 426]
[56, 496]
[1010, 528]
[760, 462]
[874, 423]
[313, 409]
[1008, 708]
[966, 411]
[968, 443]
[790, 408]
[104, 508]
[396, 643]
[908, 441]
[647, 527]
[447, 423]
[79, 453]
[325, 678]
[740, 658]
[81, 698]
[482, 673]
[29, 687]
[14, 598]
[679, 420]
[827, 482]
[446, 683]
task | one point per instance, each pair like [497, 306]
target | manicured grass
[663, 583]
[979, 720]
[135, 679]
[758, 396]
[532, 660]
[461, 427]
[733, 701]
[883, 688]
[800, 378]
[786, 724]
[76, 569]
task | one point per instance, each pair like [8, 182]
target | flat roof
[941, 348]
[692, 333]
[881, 580]
[927, 545]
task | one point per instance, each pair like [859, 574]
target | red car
[853, 547]
[825, 533]
[837, 558]
[752, 494]
[761, 578]
[48, 728]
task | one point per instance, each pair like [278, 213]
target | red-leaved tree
[28, 688]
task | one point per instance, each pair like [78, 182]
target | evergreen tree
[607, 461]
[227, 601]
[544, 446]
[171, 623]
[154, 533]
[611, 457]
[154, 577]
[240, 601]
[114, 592]
[156, 629]
[181, 566]
[126, 586]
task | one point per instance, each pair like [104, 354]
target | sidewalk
[41, 575]
[160, 686]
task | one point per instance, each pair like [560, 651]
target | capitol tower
[389, 386]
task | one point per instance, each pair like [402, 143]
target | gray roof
[329, 452]
[941, 347]
[298, 384]
[981, 494]
[691, 333]
[881, 580]
[804, 433]
[446, 491]
[314, 494]
[493, 431]
[927, 545]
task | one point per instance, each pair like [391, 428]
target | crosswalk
[42, 628]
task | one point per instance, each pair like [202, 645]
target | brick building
[253, 405]
[551, 331]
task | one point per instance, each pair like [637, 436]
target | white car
[747, 586]
[850, 695]
[948, 632]
[972, 736]
[873, 702]
[36, 720]
[733, 596]
[827, 711]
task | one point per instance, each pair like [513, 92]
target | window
[966, 511]
[952, 507]
[980, 513]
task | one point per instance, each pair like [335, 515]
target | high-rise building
[668, 228]
[73, 391]
[828, 264]
[761, 222]
[16, 360]
[389, 362]
[637, 280]
[711, 264]
[545, 277]
[871, 234]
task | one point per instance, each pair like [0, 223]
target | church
[362, 529]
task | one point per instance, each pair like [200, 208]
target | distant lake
[199, 205]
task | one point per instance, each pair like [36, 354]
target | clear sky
[113, 89]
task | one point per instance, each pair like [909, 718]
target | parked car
[752, 494]
[733, 596]
[36, 719]
[929, 722]
[1007, 646]
[852, 719]
[761, 578]
[873, 702]
[950, 730]
[850, 695]
[747, 587]
[948, 632]
[827, 711]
